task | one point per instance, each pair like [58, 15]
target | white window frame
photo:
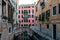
[52, 11]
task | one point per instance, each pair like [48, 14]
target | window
[25, 24]
[40, 17]
[25, 20]
[54, 31]
[22, 20]
[22, 11]
[54, 10]
[59, 8]
[25, 11]
[22, 16]
[43, 16]
[29, 20]
[32, 16]
[29, 16]
[42, 4]
[10, 30]
[32, 24]
[47, 26]
[29, 11]
[18, 16]
[47, 15]
[36, 18]
[19, 11]
[29, 25]
[22, 25]
[32, 20]
[32, 11]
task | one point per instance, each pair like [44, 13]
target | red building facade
[27, 15]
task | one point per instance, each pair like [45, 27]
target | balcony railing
[26, 17]
[25, 20]
[25, 12]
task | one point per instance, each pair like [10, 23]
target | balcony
[25, 12]
[26, 17]
[25, 20]
[42, 4]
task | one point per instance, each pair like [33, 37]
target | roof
[26, 5]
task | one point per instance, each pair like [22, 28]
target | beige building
[0, 18]
[48, 13]
[6, 19]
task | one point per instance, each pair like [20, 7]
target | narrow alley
[29, 19]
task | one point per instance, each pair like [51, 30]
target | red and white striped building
[28, 18]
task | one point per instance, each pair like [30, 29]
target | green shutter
[43, 16]
[47, 15]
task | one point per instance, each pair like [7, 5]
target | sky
[26, 1]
